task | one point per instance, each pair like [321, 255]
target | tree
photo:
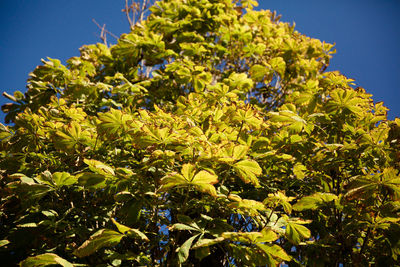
[210, 135]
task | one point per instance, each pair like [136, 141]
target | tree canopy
[210, 135]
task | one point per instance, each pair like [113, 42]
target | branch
[104, 32]
[134, 12]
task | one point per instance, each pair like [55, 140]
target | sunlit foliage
[210, 135]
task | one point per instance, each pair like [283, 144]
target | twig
[135, 11]
[126, 11]
[104, 32]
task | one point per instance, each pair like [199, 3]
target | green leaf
[314, 201]
[188, 171]
[30, 191]
[45, 260]
[247, 204]
[203, 180]
[100, 239]
[239, 152]
[63, 178]
[278, 64]
[258, 72]
[89, 179]
[275, 251]
[206, 242]
[4, 131]
[295, 232]
[207, 188]
[183, 251]
[298, 170]
[71, 136]
[248, 170]
[121, 228]
[134, 233]
[246, 237]
[4, 242]
[171, 180]
[204, 177]
[99, 167]
[181, 226]
[279, 198]
[115, 121]
[268, 236]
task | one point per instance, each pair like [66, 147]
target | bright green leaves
[63, 178]
[386, 183]
[263, 253]
[98, 177]
[131, 232]
[4, 132]
[115, 122]
[240, 81]
[4, 243]
[51, 71]
[299, 170]
[45, 260]
[248, 117]
[192, 49]
[183, 251]
[275, 254]
[295, 232]
[254, 50]
[126, 86]
[265, 236]
[223, 92]
[232, 153]
[293, 121]
[187, 72]
[100, 239]
[279, 199]
[75, 114]
[261, 243]
[249, 4]
[200, 78]
[99, 167]
[248, 170]
[202, 180]
[258, 72]
[237, 102]
[278, 64]
[246, 206]
[108, 238]
[147, 43]
[345, 100]
[314, 201]
[57, 179]
[72, 137]
[155, 135]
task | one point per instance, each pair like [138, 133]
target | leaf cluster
[211, 134]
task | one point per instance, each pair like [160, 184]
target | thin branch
[135, 11]
[104, 32]
[126, 11]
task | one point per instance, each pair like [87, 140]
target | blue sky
[366, 33]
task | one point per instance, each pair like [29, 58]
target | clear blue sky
[366, 33]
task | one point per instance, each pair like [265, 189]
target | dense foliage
[210, 135]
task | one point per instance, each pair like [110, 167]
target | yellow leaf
[204, 177]
[188, 171]
[248, 170]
